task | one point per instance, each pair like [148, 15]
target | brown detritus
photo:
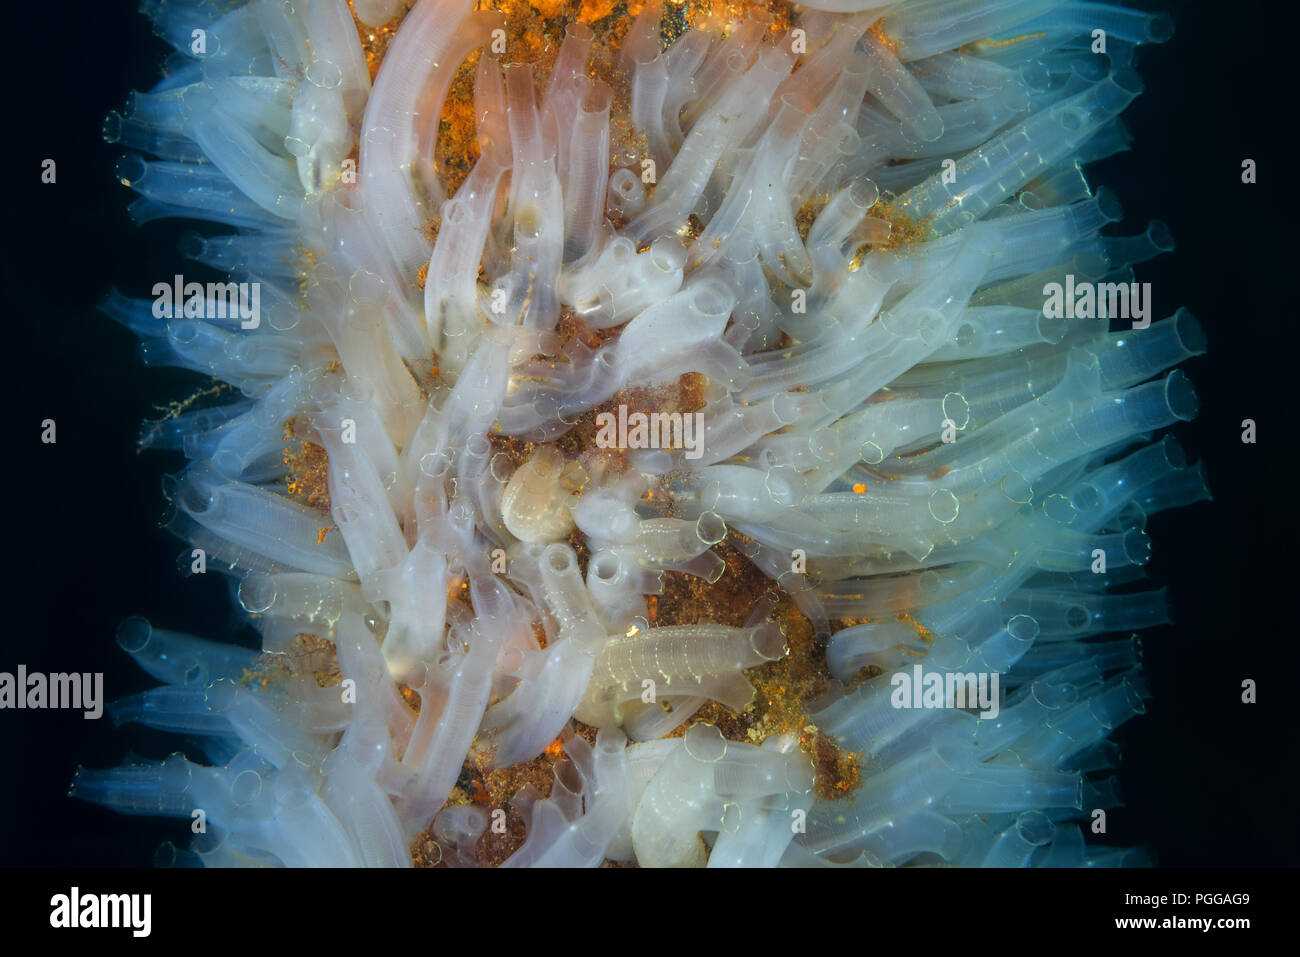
[458, 797]
[598, 11]
[308, 480]
[470, 784]
[781, 688]
[516, 449]
[691, 229]
[685, 395]
[924, 633]
[939, 473]
[458, 590]
[720, 15]
[410, 696]
[627, 147]
[837, 773]
[808, 213]
[215, 389]
[570, 326]
[457, 147]
[495, 848]
[693, 391]
[687, 600]
[496, 789]
[309, 656]
[502, 784]
[585, 731]
[732, 725]
[539, 632]
[674, 22]
[877, 30]
[431, 228]
[268, 670]
[904, 229]
[422, 277]
[865, 673]
[312, 655]
[375, 40]
[839, 624]
[426, 851]
[578, 542]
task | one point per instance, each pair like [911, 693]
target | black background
[1209, 781]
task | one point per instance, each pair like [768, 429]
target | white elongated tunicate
[534, 503]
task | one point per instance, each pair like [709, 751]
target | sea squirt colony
[496, 630]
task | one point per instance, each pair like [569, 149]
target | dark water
[1208, 780]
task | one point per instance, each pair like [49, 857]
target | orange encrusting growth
[375, 40]
[457, 148]
[308, 463]
[904, 229]
[309, 656]
[494, 790]
[877, 30]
